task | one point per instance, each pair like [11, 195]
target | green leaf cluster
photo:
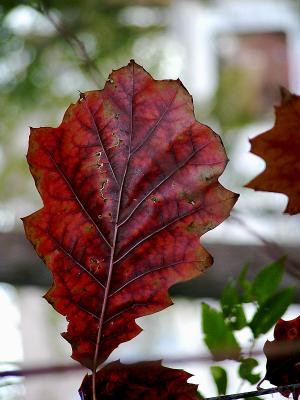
[219, 325]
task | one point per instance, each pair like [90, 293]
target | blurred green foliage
[235, 99]
[40, 71]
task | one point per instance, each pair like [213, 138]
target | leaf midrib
[117, 225]
[115, 235]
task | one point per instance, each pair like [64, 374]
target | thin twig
[75, 43]
[278, 351]
[60, 369]
[255, 393]
[39, 370]
[292, 267]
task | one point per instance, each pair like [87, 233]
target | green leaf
[271, 311]
[243, 274]
[246, 285]
[220, 377]
[245, 370]
[268, 280]
[237, 319]
[217, 334]
[232, 310]
[229, 299]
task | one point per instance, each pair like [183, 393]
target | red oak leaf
[129, 181]
[283, 355]
[280, 148]
[141, 381]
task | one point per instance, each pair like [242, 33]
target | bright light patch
[142, 16]
[10, 336]
[11, 352]
[24, 20]
[7, 223]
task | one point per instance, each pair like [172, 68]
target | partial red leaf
[129, 182]
[280, 148]
[140, 381]
[283, 355]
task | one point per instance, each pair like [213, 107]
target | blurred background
[232, 56]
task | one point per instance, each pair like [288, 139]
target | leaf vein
[68, 183]
[149, 272]
[173, 221]
[69, 255]
[97, 130]
[173, 172]
[155, 126]
[124, 310]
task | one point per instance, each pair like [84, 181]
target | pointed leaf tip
[285, 94]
